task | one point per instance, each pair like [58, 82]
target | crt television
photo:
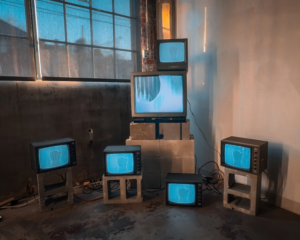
[184, 189]
[52, 155]
[244, 154]
[122, 160]
[159, 96]
[172, 54]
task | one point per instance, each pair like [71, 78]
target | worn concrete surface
[151, 219]
[37, 111]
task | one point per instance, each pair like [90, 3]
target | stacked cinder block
[174, 152]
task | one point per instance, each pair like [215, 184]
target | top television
[172, 54]
[159, 96]
[51, 155]
[244, 154]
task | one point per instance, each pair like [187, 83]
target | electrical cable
[201, 130]
[17, 206]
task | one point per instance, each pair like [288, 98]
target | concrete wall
[37, 111]
[247, 82]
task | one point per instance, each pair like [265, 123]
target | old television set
[172, 54]
[184, 189]
[51, 155]
[244, 154]
[159, 96]
[122, 160]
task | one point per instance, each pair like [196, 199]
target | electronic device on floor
[244, 154]
[52, 155]
[122, 160]
[184, 189]
[159, 96]
[172, 54]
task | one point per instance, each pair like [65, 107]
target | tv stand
[55, 195]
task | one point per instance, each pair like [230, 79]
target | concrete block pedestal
[241, 197]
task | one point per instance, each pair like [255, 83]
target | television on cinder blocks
[122, 160]
[244, 154]
[184, 189]
[172, 54]
[51, 155]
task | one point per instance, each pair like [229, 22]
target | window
[166, 18]
[16, 50]
[82, 39]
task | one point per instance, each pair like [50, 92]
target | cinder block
[142, 131]
[55, 189]
[123, 197]
[151, 164]
[241, 197]
[177, 148]
[188, 164]
[170, 131]
[149, 148]
[185, 129]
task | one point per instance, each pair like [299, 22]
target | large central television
[52, 155]
[172, 54]
[122, 160]
[159, 96]
[184, 189]
[248, 155]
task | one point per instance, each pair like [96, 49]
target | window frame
[33, 36]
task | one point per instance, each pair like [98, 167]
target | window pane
[81, 65]
[126, 63]
[104, 63]
[78, 25]
[122, 7]
[12, 18]
[103, 29]
[50, 17]
[81, 2]
[54, 59]
[105, 5]
[16, 57]
[123, 33]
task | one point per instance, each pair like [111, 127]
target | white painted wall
[247, 83]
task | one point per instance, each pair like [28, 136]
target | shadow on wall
[278, 161]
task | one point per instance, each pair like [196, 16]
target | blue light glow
[237, 156]
[182, 193]
[119, 163]
[171, 52]
[158, 94]
[53, 157]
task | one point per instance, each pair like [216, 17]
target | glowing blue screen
[237, 156]
[158, 94]
[53, 157]
[171, 52]
[182, 193]
[120, 163]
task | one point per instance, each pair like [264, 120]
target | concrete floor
[151, 219]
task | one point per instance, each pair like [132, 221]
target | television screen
[158, 94]
[171, 52]
[53, 157]
[182, 193]
[120, 163]
[237, 156]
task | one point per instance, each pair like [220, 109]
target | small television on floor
[159, 96]
[184, 189]
[122, 160]
[244, 154]
[172, 54]
[51, 155]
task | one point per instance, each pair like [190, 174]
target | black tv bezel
[46, 144]
[240, 145]
[159, 115]
[168, 202]
[180, 66]
[184, 178]
[135, 153]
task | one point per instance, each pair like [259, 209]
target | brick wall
[148, 63]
